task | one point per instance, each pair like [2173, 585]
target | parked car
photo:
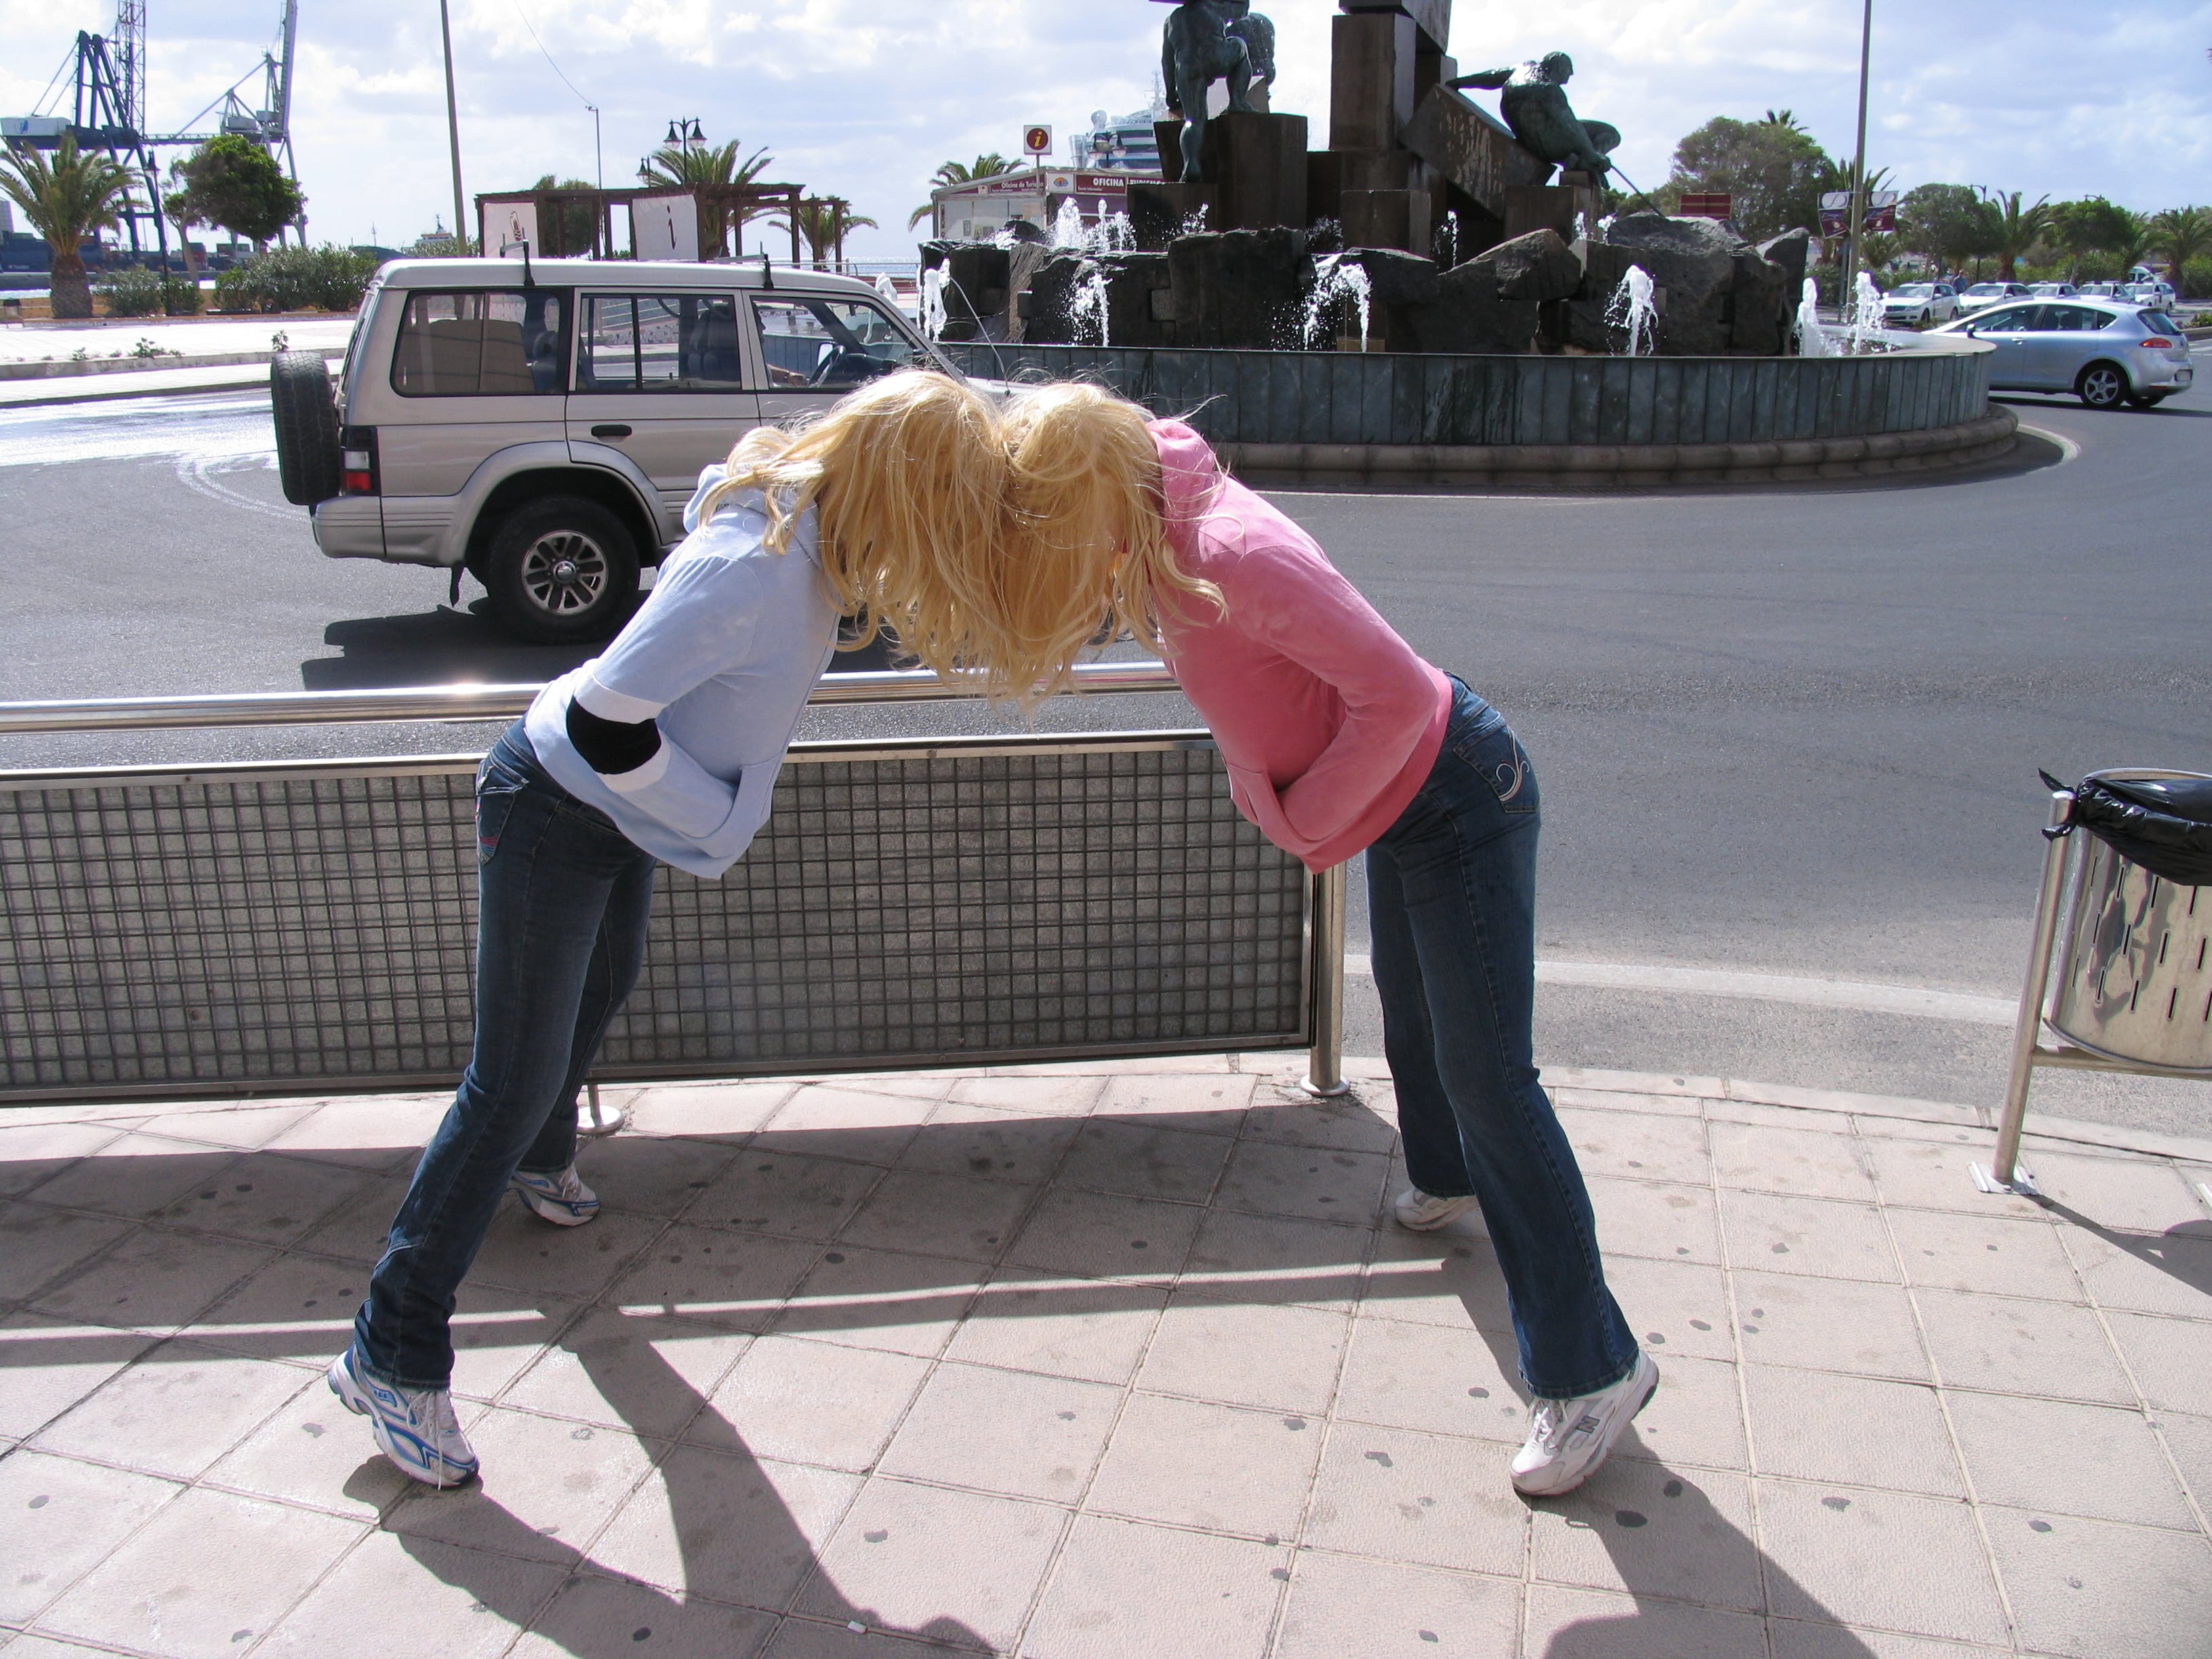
[2105, 352]
[544, 428]
[1918, 304]
[2052, 291]
[1982, 295]
[2156, 294]
[2099, 290]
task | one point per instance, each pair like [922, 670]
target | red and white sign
[1036, 140]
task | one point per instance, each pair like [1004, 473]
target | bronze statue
[1535, 105]
[1258, 34]
[1205, 41]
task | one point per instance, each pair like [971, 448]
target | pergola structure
[721, 207]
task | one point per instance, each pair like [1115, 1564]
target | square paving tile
[726, 1112]
[2090, 1589]
[1442, 1278]
[152, 1281]
[524, 1252]
[1350, 1122]
[1665, 1219]
[1423, 1500]
[1123, 1588]
[265, 1198]
[297, 1307]
[246, 1128]
[1652, 1532]
[1913, 1564]
[1191, 1463]
[208, 1574]
[1794, 1638]
[1145, 1158]
[959, 1568]
[315, 1452]
[982, 1140]
[883, 1299]
[811, 1402]
[766, 1191]
[34, 1153]
[386, 1134]
[1070, 1327]
[1673, 1307]
[1580, 1623]
[2160, 1273]
[1340, 1605]
[934, 1214]
[59, 1519]
[2012, 1346]
[1777, 1233]
[2066, 1459]
[1319, 1182]
[1433, 1378]
[1829, 1324]
[1013, 1433]
[597, 1614]
[1932, 1175]
[361, 1230]
[37, 1246]
[1695, 1418]
[1244, 1353]
[2133, 1194]
[134, 1176]
[392, 1595]
[1069, 1095]
[1211, 1103]
[1821, 1163]
[648, 1374]
[545, 1487]
[1995, 1254]
[1097, 1236]
[823, 1121]
[2189, 1441]
[645, 1175]
[2167, 1356]
[51, 1364]
[1277, 1259]
[727, 1526]
[176, 1411]
[1638, 1146]
[731, 1279]
[1852, 1431]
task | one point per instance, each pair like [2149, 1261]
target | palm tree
[65, 200]
[2181, 233]
[963, 172]
[708, 167]
[2018, 229]
[824, 223]
[2129, 248]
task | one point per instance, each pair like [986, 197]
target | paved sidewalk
[1105, 1362]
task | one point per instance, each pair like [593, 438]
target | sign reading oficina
[1036, 140]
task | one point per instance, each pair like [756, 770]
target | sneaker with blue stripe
[415, 1428]
[560, 1199]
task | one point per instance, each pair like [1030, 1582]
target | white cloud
[862, 99]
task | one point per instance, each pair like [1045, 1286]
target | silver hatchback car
[2106, 352]
[542, 427]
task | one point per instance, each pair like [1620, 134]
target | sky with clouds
[862, 99]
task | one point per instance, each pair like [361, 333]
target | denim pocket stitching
[492, 824]
[1509, 779]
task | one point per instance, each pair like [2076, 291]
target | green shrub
[327, 278]
[181, 296]
[131, 291]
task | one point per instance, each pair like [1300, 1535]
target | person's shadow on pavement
[735, 1535]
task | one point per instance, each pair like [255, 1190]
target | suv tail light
[357, 461]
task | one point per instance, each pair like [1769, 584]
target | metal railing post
[2005, 1174]
[1325, 1071]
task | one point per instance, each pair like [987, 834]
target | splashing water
[1582, 226]
[1631, 310]
[1086, 301]
[1334, 282]
[1195, 224]
[1605, 226]
[1865, 318]
[887, 288]
[934, 317]
[1068, 229]
[1812, 339]
[1115, 233]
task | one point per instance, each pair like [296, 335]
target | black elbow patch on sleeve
[611, 747]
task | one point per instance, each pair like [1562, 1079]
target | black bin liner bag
[2165, 824]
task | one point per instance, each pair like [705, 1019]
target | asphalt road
[1782, 731]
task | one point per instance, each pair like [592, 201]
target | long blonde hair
[1088, 537]
[907, 479]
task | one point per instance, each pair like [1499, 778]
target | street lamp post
[453, 128]
[1857, 229]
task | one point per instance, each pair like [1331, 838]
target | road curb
[1969, 443]
[94, 394]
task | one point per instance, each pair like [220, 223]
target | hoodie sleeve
[1293, 600]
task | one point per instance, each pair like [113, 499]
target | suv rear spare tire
[306, 416]
[561, 570]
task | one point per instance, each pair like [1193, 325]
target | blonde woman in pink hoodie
[1339, 740]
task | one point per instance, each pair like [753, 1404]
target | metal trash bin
[2133, 991]
[2135, 978]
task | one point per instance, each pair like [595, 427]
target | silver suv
[542, 427]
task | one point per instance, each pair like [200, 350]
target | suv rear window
[482, 344]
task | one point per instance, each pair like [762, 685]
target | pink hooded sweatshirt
[1329, 722]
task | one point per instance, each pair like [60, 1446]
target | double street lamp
[1858, 223]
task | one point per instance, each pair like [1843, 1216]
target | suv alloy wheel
[562, 570]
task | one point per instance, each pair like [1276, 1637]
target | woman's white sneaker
[1423, 1212]
[561, 1199]
[1568, 1439]
[415, 1428]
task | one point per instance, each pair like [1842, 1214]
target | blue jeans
[563, 900]
[1452, 894]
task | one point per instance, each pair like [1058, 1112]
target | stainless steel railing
[476, 704]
